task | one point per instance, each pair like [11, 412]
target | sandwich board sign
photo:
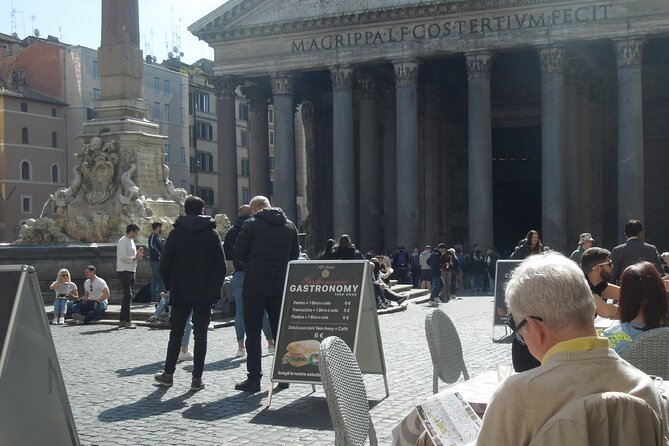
[321, 299]
[503, 272]
[32, 391]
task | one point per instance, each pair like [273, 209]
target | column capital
[283, 84]
[388, 97]
[225, 86]
[478, 64]
[367, 87]
[552, 58]
[342, 78]
[406, 72]
[257, 95]
[629, 51]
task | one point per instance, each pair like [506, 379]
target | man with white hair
[553, 310]
[265, 244]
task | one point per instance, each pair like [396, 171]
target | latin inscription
[454, 28]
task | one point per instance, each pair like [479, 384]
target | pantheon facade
[456, 121]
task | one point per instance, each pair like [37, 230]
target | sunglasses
[515, 334]
[609, 263]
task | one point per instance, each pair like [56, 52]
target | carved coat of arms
[98, 168]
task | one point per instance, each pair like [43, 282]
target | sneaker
[130, 325]
[185, 356]
[282, 386]
[196, 384]
[54, 321]
[152, 320]
[211, 326]
[78, 317]
[434, 303]
[164, 379]
[61, 320]
[270, 349]
[165, 317]
[240, 353]
[248, 386]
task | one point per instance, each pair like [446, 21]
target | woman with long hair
[642, 306]
[528, 246]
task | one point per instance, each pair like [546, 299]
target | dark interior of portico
[590, 138]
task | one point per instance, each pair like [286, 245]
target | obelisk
[120, 61]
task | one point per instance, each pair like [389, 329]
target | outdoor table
[476, 391]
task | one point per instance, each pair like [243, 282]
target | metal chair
[445, 349]
[345, 393]
[650, 352]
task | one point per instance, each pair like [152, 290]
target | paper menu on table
[449, 419]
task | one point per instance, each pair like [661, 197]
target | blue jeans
[161, 306]
[437, 285]
[237, 288]
[60, 306]
[157, 285]
[93, 312]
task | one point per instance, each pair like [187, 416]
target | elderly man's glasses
[516, 331]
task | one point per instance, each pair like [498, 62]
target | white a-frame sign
[34, 408]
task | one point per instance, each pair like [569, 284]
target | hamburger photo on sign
[301, 353]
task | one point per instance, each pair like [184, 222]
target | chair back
[445, 348]
[610, 418]
[650, 352]
[345, 393]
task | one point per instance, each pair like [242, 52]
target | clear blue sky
[162, 23]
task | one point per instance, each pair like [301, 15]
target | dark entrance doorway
[516, 167]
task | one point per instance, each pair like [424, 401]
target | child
[65, 290]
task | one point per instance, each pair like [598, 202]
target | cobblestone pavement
[108, 373]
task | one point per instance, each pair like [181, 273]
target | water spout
[41, 214]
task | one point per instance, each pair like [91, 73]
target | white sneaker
[211, 326]
[240, 353]
[270, 349]
[54, 321]
[61, 320]
[185, 356]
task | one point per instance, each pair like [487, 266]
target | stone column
[630, 132]
[284, 144]
[259, 180]
[480, 149]
[389, 172]
[370, 189]
[407, 179]
[226, 128]
[553, 186]
[343, 151]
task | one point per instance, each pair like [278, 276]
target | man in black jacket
[633, 250]
[265, 245]
[193, 268]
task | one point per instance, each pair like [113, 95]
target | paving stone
[108, 373]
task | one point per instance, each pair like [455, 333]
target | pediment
[243, 14]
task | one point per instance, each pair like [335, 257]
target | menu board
[321, 299]
[502, 275]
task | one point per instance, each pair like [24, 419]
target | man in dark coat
[633, 250]
[193, 268]
[265, 245]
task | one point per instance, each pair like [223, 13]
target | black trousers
[259, 296]
[178, 319]
[127, 279]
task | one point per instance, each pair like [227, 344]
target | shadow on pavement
[145, 369]
[106, 330]
[224, 364]
[151, 405]
[228, 407]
